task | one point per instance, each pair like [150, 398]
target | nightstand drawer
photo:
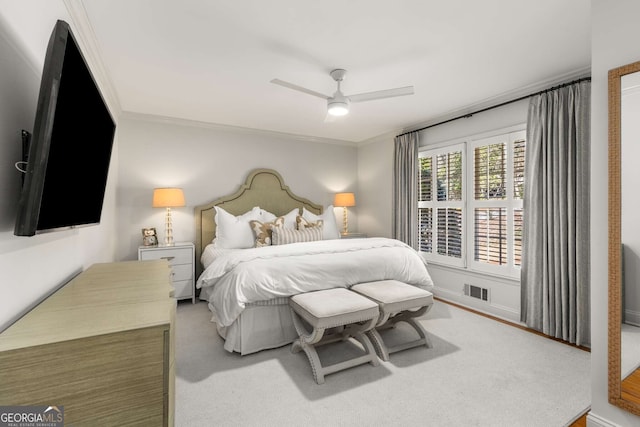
[181, 260]
[183, 289]
[173, 255]
[181, 272]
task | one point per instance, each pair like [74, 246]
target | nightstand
[181, 259]
[352, 235]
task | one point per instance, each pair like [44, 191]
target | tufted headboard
[264, 188]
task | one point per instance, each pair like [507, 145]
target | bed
[247, 288]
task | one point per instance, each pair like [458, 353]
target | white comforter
[251, 275]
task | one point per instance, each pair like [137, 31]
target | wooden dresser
[102, 346]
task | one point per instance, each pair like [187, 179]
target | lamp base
[168, 230]
[345, 221]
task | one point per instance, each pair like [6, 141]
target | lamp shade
[168, 197]
[344, 200]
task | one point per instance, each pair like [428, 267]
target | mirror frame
[615, 240]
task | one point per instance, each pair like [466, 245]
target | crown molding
[129, 115]
[86, 38]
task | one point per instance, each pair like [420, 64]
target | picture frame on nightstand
[149, 237]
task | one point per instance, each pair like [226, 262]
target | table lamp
[168, 198]
[344, 200]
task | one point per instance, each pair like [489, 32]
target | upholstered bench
[334, 315]
[398, 302]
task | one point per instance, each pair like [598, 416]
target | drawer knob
[168, 258]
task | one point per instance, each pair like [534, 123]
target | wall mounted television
[70, 148]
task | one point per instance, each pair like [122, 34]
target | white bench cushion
[394, 296]
[333, 307]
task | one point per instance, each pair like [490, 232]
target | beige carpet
[479, 373]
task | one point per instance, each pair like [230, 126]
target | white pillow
[329, 225]
[234, 232]
[266, 216]
[289, 219]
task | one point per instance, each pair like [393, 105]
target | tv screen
[70, 149]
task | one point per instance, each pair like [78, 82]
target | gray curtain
[405, 189]
[555, 260]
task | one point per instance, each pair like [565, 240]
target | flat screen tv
[70, 148]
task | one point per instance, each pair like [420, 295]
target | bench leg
[406, 316]
[378, 344]
[314, 360]
[308, 341]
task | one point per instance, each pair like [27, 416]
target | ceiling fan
[338, 104]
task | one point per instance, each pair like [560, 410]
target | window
[440, 207]
[487, 206]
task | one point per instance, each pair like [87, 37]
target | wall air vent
[476, 292]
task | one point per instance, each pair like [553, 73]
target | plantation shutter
[496, 204]
[440, 206]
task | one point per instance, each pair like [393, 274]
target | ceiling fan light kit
[338, 104]
[337, 108]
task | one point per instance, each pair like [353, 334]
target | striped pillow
[284, 236]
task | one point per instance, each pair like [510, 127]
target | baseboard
[495, 310]
[596, 421]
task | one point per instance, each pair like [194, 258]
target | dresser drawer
[173, 255]
[181, 272]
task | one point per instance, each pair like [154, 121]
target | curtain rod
[500, 105]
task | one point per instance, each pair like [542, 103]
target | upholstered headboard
[264, 188]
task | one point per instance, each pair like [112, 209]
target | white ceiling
[212, 60]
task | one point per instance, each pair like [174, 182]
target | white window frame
[511, 204]
[434, 204]
[468, 204]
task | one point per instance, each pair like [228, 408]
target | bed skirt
[261, 326]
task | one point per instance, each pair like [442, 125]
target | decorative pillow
[234, 232]
[284, 236]
[263, 230]
[328, 218]
[289, 219]
[303, 223]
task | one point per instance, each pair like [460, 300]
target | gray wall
[375, 186]
[33, 266]
[212, 161]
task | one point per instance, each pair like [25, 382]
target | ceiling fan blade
[299, 88]
[381, 94]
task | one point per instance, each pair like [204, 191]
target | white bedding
[239, 277]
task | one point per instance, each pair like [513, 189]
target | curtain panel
[405, 189]
[555, 278]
